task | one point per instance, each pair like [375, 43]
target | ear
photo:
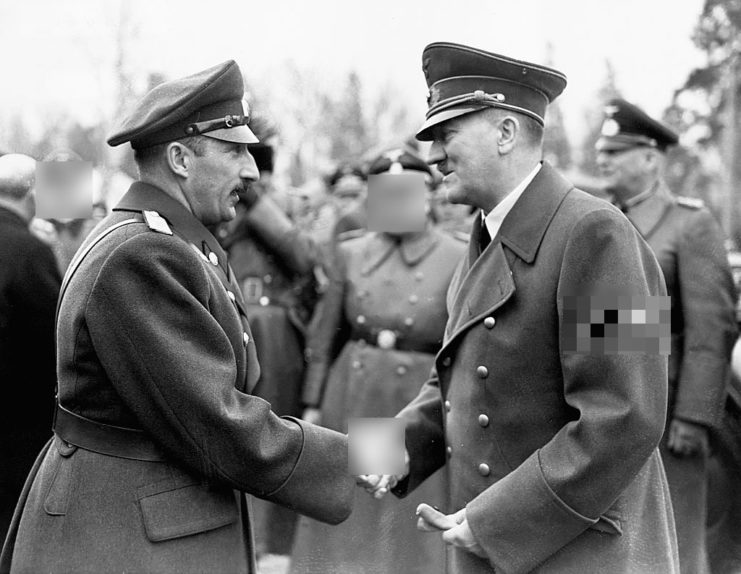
[509, 132]
[178, 159]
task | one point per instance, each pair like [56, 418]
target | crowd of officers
[347, 323]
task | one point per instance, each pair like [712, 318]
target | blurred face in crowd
[627, 173]
[465, 151]
[215, 178]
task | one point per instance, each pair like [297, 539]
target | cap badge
[610, 128]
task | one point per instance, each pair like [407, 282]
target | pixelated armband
[609, 324]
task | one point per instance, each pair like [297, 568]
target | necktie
[484, 237]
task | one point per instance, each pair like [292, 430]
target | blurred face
[465, 151]
[216, 177]
[626, 172]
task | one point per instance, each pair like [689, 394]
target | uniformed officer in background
[372, 343]
[688, 244]
[157, 432]
[274, 263]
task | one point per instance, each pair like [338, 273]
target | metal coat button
[489, 322]
[447, 406]
[356, 364]
[413, 299]
[409, 321]
[449, 450]
[484, 469]
[483, 420]
[213, 258]
[401, 370]
[232, 296]
[446, 362]
[245, 338]
[264, 301]
[361, 319]
[482, 371]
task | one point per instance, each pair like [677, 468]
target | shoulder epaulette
[691, 202]
[156, 222]
[351, 234]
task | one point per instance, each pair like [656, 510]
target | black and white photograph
[370, 288]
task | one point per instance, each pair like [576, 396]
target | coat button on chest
[401, 370]
[447, 406]
[232, 296]
[484, 469]
[446, 362]
[361, 319]
[489, 322]
[482, 371]
[245, 338]
[483, 420]
[449, 451]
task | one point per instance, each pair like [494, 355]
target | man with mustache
[547, 400]
[157, 435]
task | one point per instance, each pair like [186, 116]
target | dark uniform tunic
[152, 338]
[385, 310]
[29, 286]
[688, 244]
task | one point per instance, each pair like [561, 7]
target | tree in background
[556, 144]
[705, 111]
[594, 117]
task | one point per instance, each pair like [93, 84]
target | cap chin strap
[479, 97]
[228, 121]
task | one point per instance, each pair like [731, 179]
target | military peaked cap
[627, 126]
[462, 80]
[208, 103]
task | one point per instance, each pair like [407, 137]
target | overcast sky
[58, 55]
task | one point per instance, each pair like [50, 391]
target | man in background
[29, 286]
[688, 244]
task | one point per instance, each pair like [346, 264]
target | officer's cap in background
[398, 161]
[627, 126]
[462, 80]
[208, 103]
[263, 151]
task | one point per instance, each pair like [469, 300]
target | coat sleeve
[618, 406]
[295, 249]
[708, 298]
[425, 439]
[174, 367]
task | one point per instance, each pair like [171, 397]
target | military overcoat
[554, 455]
[688, 244]
[152, 337]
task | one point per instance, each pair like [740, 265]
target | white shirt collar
[495, 217]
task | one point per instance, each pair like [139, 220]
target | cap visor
[425, 132]
[237, 134]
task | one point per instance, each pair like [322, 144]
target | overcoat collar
[524, 227]
[10, 217]
[485, 283]
[413, 248]
[144, 197]
[647, 215]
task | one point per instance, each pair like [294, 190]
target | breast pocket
[176, 508]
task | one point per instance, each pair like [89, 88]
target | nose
[249, 169]
[436, 154]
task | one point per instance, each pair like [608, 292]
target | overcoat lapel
[485, 282]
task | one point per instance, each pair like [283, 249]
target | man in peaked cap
[551, 450]
[689, 246]
[157, 436]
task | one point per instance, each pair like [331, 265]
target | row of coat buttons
[483, 468]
